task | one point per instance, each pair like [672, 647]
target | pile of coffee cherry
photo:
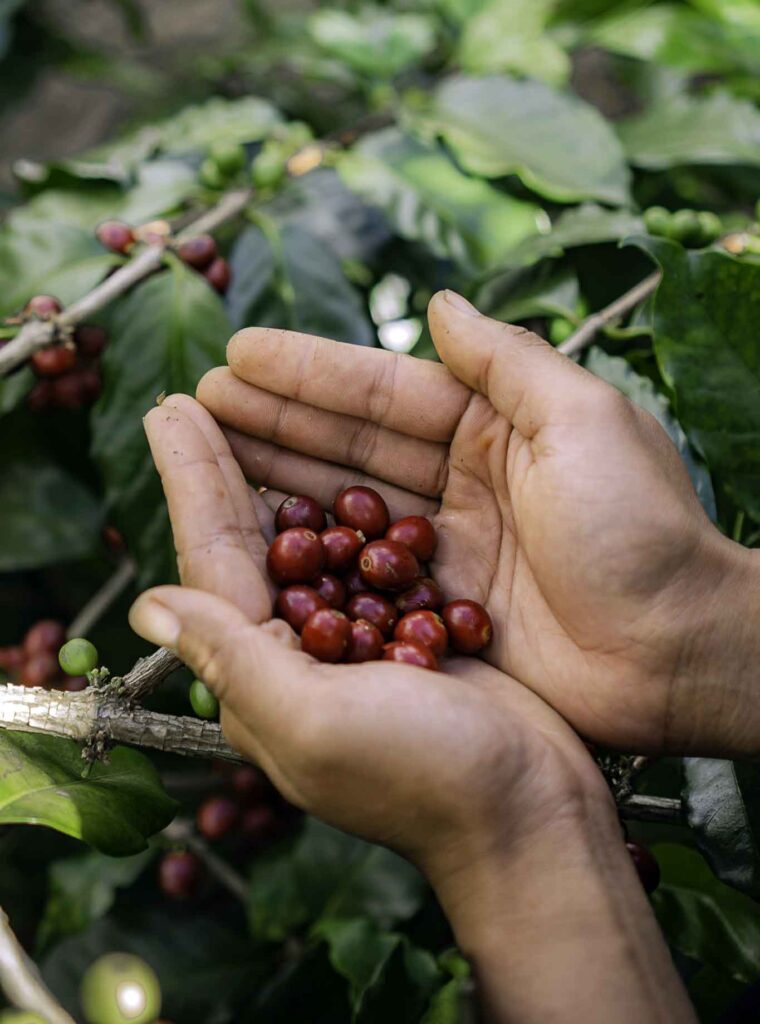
[36, 660]
[358, 591]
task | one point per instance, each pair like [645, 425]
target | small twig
[22, 982]
[182, 831]
[37, 333]
[591, 326]
[148, 673]
[661, 809]
[102, 599]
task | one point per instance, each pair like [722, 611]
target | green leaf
[704, 919]
[541, 291]
[373, 42]
[402, 987]
[447, 1005]
[358, 949]
[714, 129]
[324, 872]
[164, 335]
[49, 258]
[641, 390]
[705, 314]
[510, 35]
[288, 278]
[722, 801]
[114, 809]
[558, 145]
[14, 388]
[48, 515]
[83, 889]
[427, 199]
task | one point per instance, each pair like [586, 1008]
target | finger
[268, 465]
[526, 379]
[212, 546]
[253, 514]
[409, 462]
[414, 396]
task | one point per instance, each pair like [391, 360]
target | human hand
[559, 505]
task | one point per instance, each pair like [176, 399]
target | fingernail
[460, 303]
[155, 622]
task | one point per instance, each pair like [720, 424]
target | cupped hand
[445, 767]
[560, 505]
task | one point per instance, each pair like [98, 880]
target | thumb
[523, 376]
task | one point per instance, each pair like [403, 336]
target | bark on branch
[590, 327]
[22, 982]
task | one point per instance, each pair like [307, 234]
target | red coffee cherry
[45, 635]
[296, 603]
[295, 556]
[54, 360]
[423, 627]
[300, 510]
[250, 784]
[374, 608]
[90, 340]
[341, 546]
[388, 565]
[423, 593]
[410, 654]
[219, 274]
[44, 306]
[115, 235]
[469, 625]
[90, 384]
[66, 392]
[72, 684]
[11, 658]
[180, 874]
[331, 589]
[353, 582]
[646, 865]
[217, 816]
[417, 533]
[326, 635]
[41, 396]
[259, 824]
[363, 509]
[40, 669]
[366, 642]
[198, 252]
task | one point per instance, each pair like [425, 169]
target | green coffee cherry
[268, 168]
[210, 175]
[78, 657]
[710, 226]
[685, 227]
[560, 330]
[298, 135]
[657, 221]
[20, 1017]
[204, 703]
[229, 157]
[120, 989]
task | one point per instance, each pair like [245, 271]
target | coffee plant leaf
[402, 986]
[34, 489]
[372, 41]
[326, 873]
[618, 372]
[14, 388]
[286, 277]
[357, 950]
[722, 801]
[496, 125]
[714, 129]
[705, 312]
[428, 200]
[164, 336]
[114, 809]
[543, 290]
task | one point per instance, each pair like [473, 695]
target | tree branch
[39, 333]
[102, 600]
[148, 673]
[665, 810]
[591, 326]
[22, 982]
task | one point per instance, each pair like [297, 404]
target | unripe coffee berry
[180, 874]
[366, 642]
[296, 603]
[202, 700]
[362, 508]
[229, 157]
[469, 625]
[115, 235]
[120, 988]
[46, 635]
[300, 510]
[646, 865]
[410, 654]
[326, 635]
[388, 565]
[341, 545]
[423, 627]
[331, 589]
[417, 533]
[54, 360]
[217, 816]
[423, 593]
[295, 556]
[374, 608]
[44, 306]
[78, 657]
[198, 251]
[218, 274]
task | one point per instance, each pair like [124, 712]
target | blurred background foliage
[512, 149]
